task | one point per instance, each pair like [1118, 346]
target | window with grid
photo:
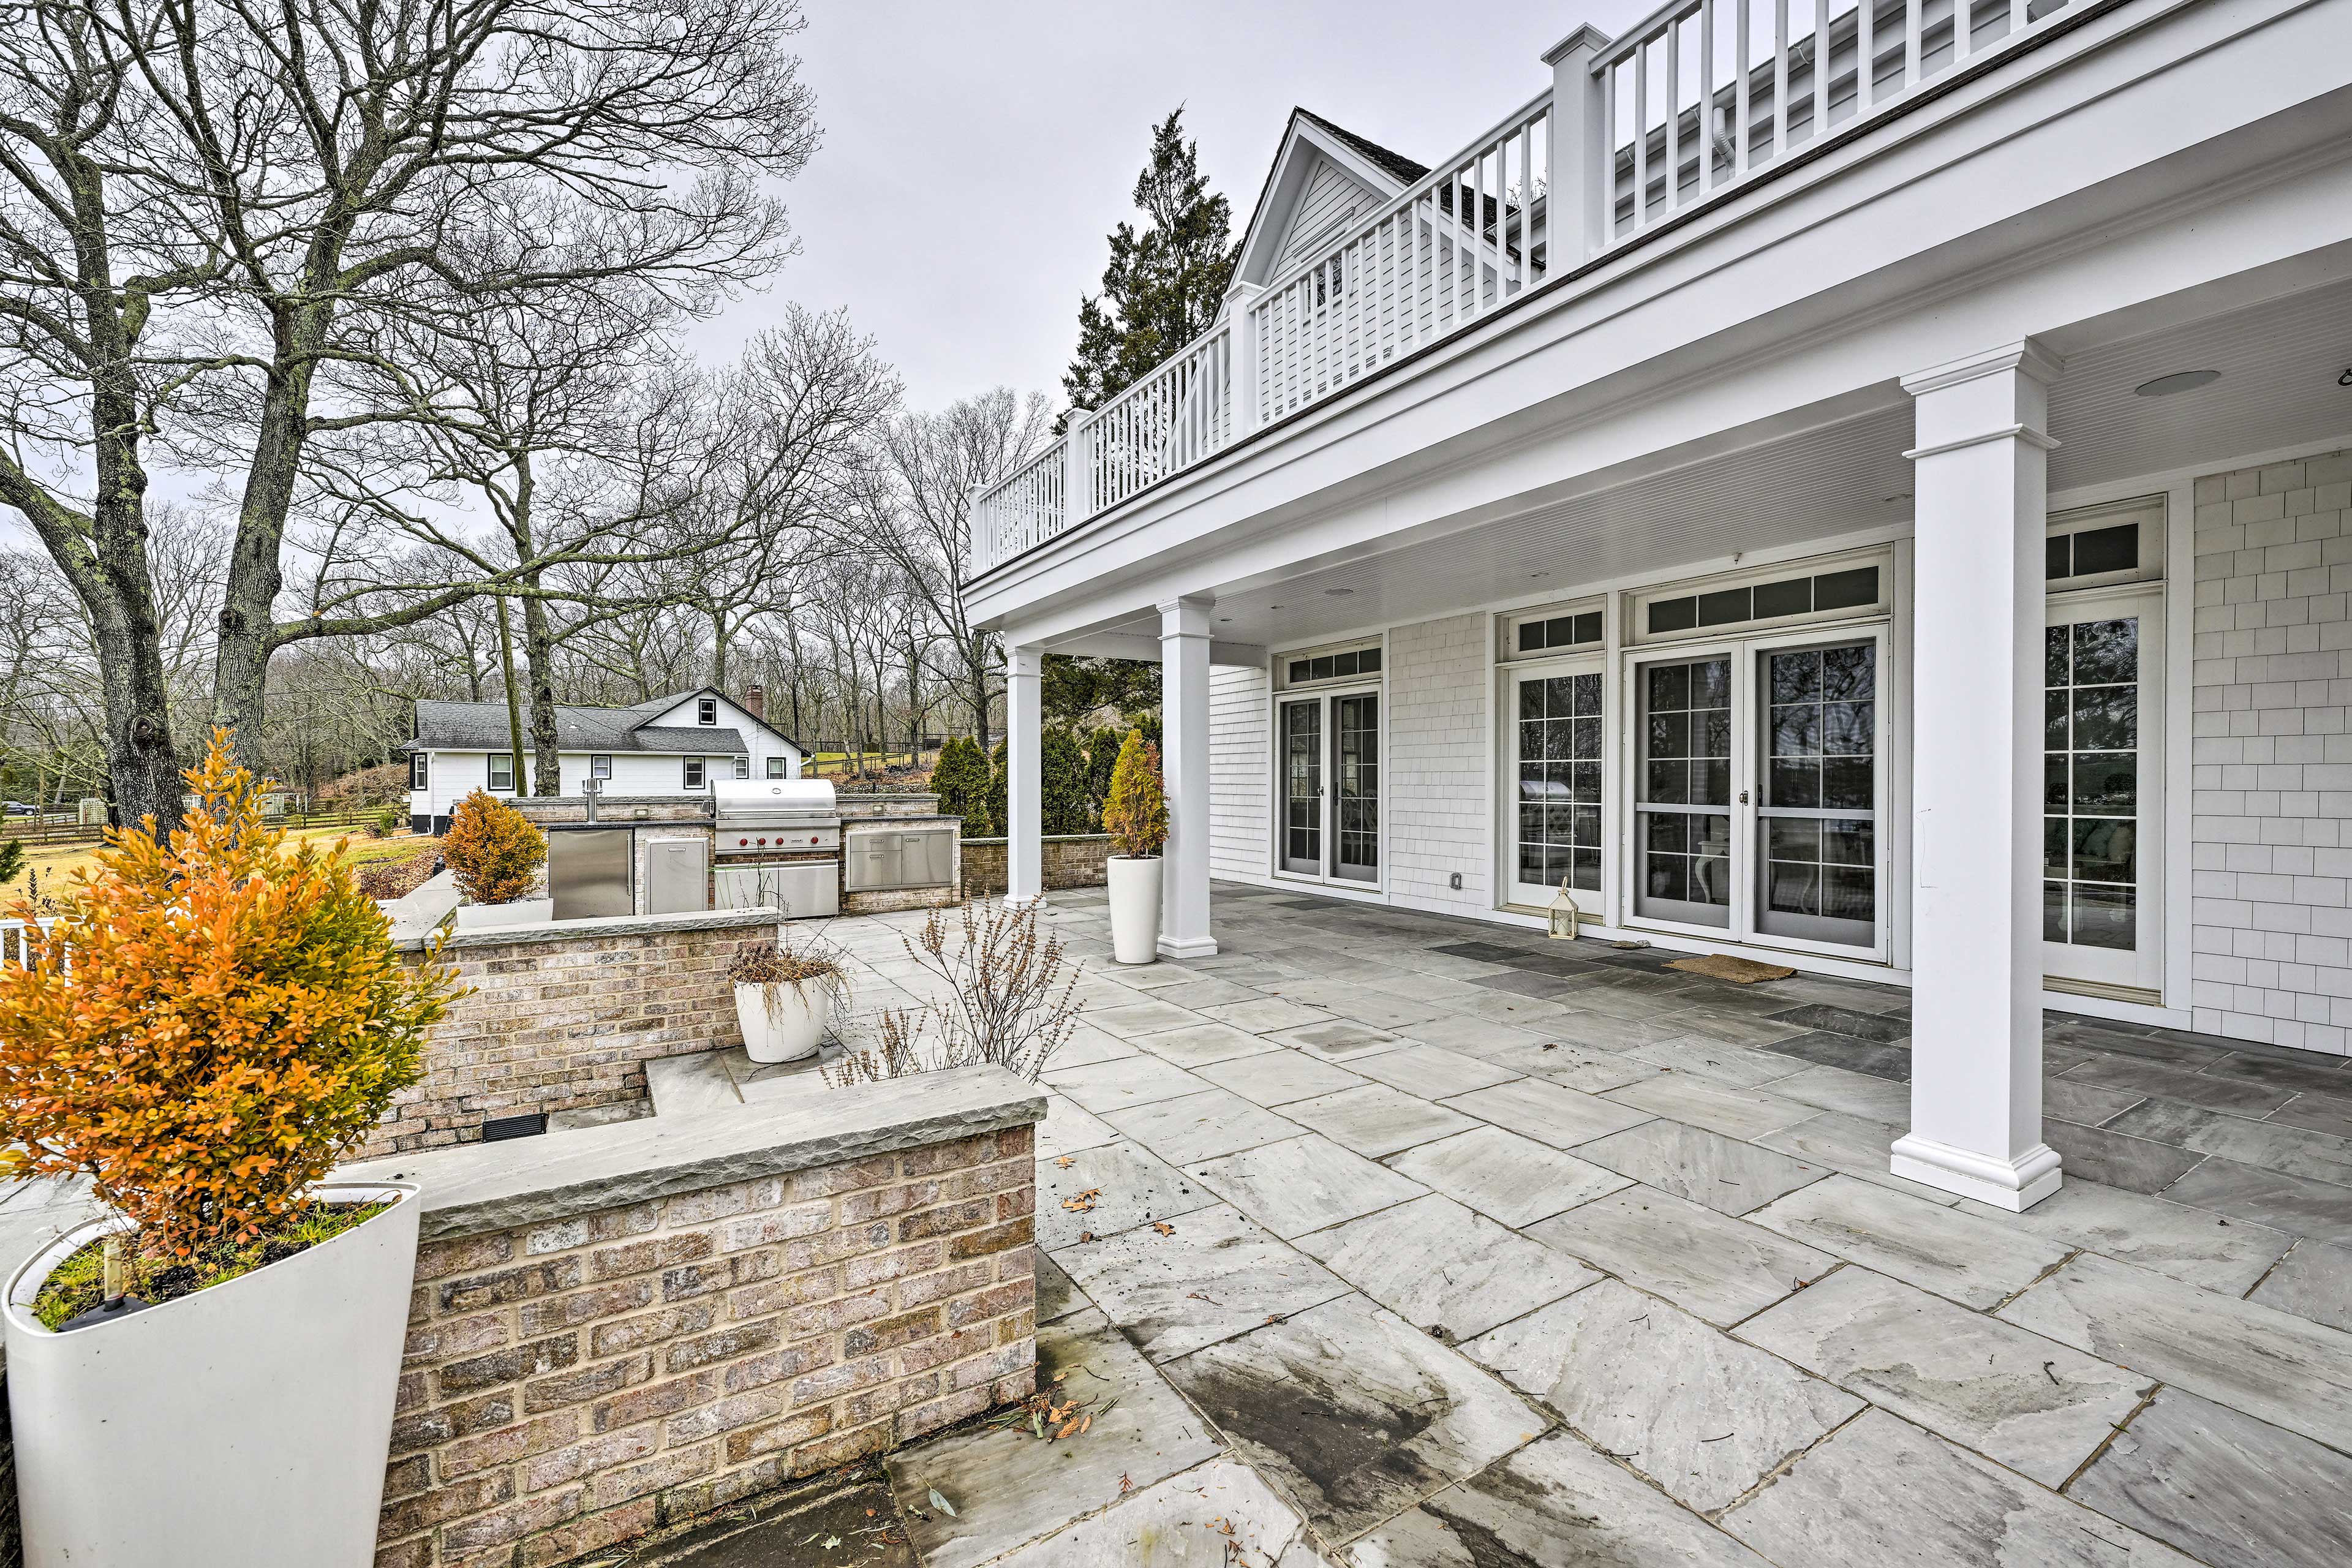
[1358, 720]
[1559, 781]
[1820, 764]
[1686, 778]
[2090, 807]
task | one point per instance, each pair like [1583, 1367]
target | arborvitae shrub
[492, 850]
[1137, 814]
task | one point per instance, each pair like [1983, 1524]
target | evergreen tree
[961, 780]
[1102, 756]
[1000, 814]
[1062, 782]
[1163, 285]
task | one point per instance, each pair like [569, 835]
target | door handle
[1743, 797]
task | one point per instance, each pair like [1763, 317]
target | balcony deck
[1687, 113]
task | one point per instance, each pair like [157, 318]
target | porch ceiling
[1839, 472]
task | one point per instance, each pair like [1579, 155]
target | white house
[1896, 521]
[672, 745]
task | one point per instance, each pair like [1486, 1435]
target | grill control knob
[763, 841]
[741, 842]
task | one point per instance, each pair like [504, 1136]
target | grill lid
[772, 800]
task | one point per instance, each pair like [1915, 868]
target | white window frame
[779, 767]
[2147, 511]
[1281, 682]
[420, 769]
[743, 767]
[706, 710]
[1506, 647]
[600, 766]
[1329, 692]
[1635, 603]
[1591, 901]
[495, 759]
[695, 772]
[1741, 928]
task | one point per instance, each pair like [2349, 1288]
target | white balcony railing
[1691, 104]
[15, 947]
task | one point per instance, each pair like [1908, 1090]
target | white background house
[671, 745]
[1896, 521]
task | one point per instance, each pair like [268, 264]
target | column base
[1023, 901]
[2012, 1184]
[1188, 947]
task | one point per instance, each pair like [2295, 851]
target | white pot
[782, 1021]
[1135, 907]
[247, 1424]
[521, 912]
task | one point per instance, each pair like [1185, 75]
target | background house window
[694, 772]
[743, 767]
[502, 772]
[705, 711]
[600, 767]
[419, 775]
[775, 767]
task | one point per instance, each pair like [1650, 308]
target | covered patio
[1386, 1239]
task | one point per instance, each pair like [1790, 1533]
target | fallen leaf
[1066, 1161]
[1163, 1227]
[941, 1503]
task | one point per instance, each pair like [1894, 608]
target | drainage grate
[503, 1127]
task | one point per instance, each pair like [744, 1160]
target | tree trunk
[538, 650]
[514, 693]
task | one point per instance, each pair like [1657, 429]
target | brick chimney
[755, 702]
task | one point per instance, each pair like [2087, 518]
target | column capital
[1187, 617]
[2024, 356]
[1023, 662]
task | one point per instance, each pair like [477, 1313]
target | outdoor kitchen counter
[589, 930]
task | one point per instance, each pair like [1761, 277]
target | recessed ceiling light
[2180, 381]
[1539, 573]
[1224, 620]
[1273, 606]
[1336, 593]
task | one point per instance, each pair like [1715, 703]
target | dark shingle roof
[482, 727]
[1397, 164]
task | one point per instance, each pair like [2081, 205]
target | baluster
[1608, 151]
[1741, 153]
[1865, 54]
[2020, 14]
[1780, 77]
[1673, 191]
[1641, 136]
[1820, 70]
[1915, 24]
[1706, 95]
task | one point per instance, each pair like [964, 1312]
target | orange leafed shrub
[492, 850]
[214, 1022]
[1135, 814]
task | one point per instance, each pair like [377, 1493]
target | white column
[1184, 770]
[1244, 348]
[1979, 481]
[1024, 848]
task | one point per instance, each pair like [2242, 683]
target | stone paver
[1202, 1126]
[1700, 1414]
[1377, 1121]
[2195, 1245]
[1352, 1413]
[1211, 1275]
[1724, 1173]
[1215, 1514]
[1975, 1262]
[1103, 1191]
[1515, 1180]
[2313, 1281]
[1881, 1493]
[1139, 1080]
[1303, 1183]
[2037, 1406]
[2224, 1487]
[1548, 1111]
[1445, 1268]
[1701, 1102]
[1277, 1077]
[1709, 1265]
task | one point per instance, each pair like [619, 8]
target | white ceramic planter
[247, 1424]
[1135, 907]
[521, 912]
[782, 1021]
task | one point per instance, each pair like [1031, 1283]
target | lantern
[1564, 914]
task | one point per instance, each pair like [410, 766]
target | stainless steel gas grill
[776, 841]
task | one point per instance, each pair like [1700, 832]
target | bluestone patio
[1383, 1239]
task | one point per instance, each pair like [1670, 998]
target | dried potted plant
[1136, 817]
[494, 854]
[207, 1374]
[784, 997]
[1006, 997]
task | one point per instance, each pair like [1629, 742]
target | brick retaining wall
[1072, 860]
[578, 1380]
[568, 1022]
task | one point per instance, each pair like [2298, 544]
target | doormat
[1738, 971]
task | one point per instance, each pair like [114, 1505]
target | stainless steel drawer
[909, 858]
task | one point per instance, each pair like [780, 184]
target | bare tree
[920, 522]
[200, 199]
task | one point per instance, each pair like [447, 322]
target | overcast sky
[977, 151]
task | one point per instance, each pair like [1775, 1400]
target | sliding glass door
[1328, 796]
[1758, 779]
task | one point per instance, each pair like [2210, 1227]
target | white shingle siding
[2270, 757]
[1440, 733]
[1241, 773]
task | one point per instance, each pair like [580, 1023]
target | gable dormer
[1323, 182]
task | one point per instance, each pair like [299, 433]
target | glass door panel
[1302, 787]
[1683, 778]
[1817, 793]
[2100, 711]
[1356, 769]
[1555, 785]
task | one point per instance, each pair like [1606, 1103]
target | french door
[2103, 708]
[1759, 781]
[1555, 781]
[1328, 794]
